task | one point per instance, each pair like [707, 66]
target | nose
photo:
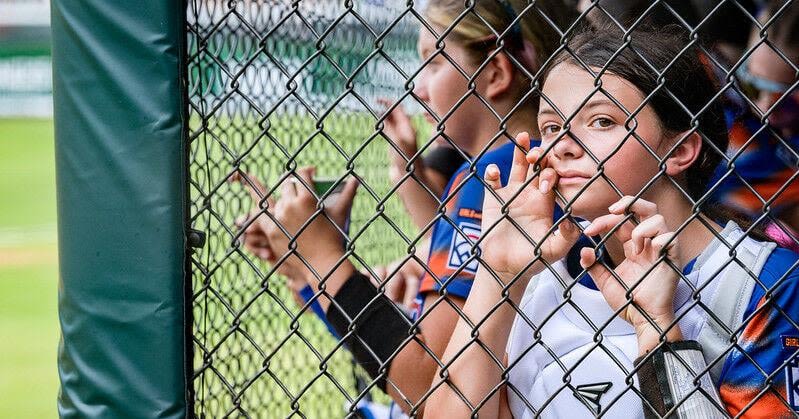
[765, 101]
[420, 86]
[566, 147]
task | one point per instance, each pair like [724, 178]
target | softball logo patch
[461, 249]
[792, 383]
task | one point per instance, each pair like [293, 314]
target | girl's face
[440, 85]
[767, 67]
[599, 124]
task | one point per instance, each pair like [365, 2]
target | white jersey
[561, 367]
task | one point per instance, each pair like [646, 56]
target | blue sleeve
[307, 293]
[767, 351]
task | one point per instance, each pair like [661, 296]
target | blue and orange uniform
[760, 377]
[453, 259]
[765, 162]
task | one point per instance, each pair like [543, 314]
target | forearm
[331, 273]
[476, 371]
[419, 193]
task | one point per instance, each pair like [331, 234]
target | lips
[572, 177]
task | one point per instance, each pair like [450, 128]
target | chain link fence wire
[276, 85]
[273, 86]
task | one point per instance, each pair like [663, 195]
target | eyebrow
[594, 103]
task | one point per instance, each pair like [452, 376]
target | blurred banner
[25, 69]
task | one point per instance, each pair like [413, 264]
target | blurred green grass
[28, 270]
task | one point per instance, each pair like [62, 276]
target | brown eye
[550, 129]
[602, 123]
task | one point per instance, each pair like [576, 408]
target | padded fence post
[119, 123]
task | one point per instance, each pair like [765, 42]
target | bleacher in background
[25, 69]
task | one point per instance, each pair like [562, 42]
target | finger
[535, 157]
[638, 206]
[648, 229]
[569, 230]
[241, 220]
[665, 243]
[587, 257]
[492, 178]
[374, 279]
[251, 183]
[599, 273]
[400, 116]
[384, 102]
[411, 290]
[547, 179]
[518, 171]
[288, 189]
[347, 195]
[305, 175]
[603, 224]
[560, 243]
[380, 271]
[266, 254]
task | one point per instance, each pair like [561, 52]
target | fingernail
[614, 207]
[544, 186]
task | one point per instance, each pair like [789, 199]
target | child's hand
[300, 225]
[401, 279]
[319, 242]
[510, 243]
[399, 129]
[255, 239]
[644, 269]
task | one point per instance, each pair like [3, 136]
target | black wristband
[444, 159]
[369, 324]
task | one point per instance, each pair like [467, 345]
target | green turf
[28, 270]
[27, 173]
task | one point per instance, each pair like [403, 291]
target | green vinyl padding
[119, 117]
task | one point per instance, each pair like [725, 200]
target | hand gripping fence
[278, 85]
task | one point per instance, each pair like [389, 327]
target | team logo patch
[590, 394]
[461, 249]
[792, 371]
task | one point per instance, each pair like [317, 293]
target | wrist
[649, 336]
[517, 282]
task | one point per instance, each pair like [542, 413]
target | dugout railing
[165, 113]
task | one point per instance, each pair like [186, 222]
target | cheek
[445, 89]
[632, 167]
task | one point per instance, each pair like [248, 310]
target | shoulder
[473, 171]
[780, 276]
[778, 283]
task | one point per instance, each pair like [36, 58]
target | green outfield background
[29, 332]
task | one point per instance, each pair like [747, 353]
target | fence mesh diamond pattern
[275, 85]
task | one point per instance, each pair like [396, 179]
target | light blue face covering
[759, 83]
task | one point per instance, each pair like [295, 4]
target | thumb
[599, 273]
[492, 177]
[347, 196]
[560, 243]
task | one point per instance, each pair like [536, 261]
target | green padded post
[119, 123]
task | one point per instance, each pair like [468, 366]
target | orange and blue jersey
[760, 377]
[453, 253]
[766, 163]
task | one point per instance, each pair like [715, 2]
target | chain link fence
[277, 85]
